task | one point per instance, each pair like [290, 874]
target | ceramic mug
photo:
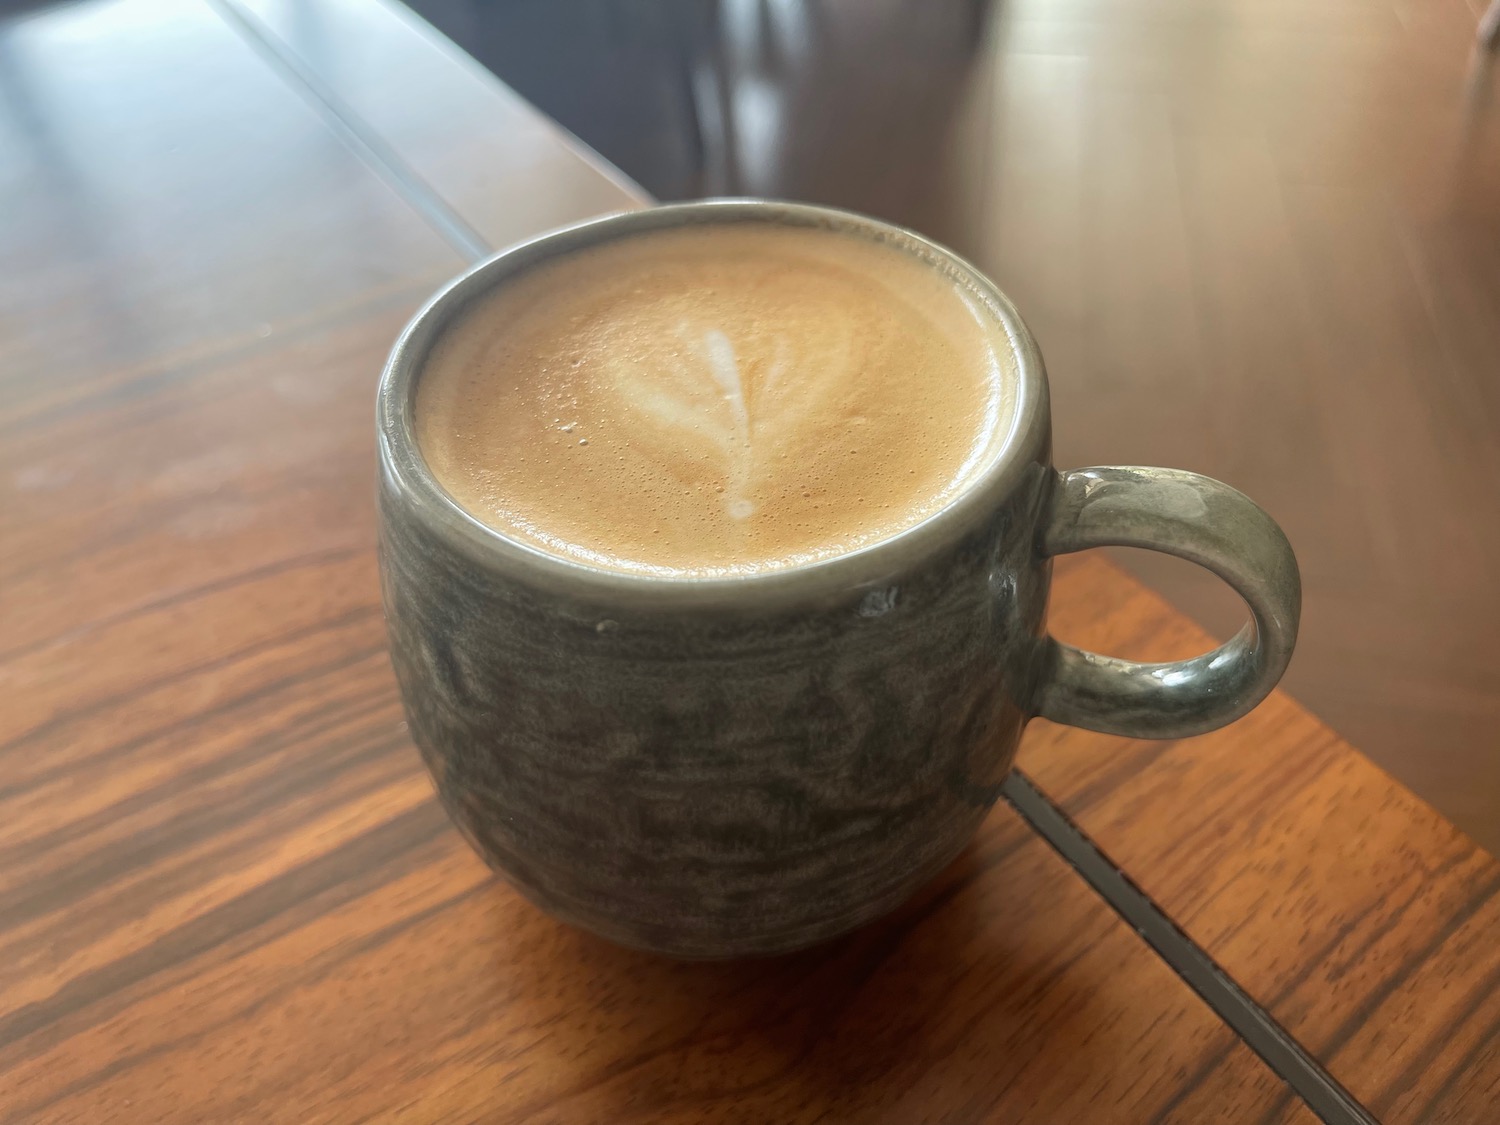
[719, 767]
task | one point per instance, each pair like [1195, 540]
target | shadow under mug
[720, 767]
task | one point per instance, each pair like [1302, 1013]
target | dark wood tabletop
[226, 891]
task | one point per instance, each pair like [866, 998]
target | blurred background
[1255, 238]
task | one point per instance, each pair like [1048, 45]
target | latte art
[697, 393]
[714, 401]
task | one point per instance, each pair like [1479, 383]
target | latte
[716, 400]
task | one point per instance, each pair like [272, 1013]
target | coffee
[751, 765]
[717, 399]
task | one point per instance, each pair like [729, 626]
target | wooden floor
[1256, 238]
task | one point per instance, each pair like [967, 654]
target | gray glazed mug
[725, 767]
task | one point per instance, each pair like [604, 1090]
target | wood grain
[348, 959]
[1343, 904]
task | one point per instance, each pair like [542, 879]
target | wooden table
[226, 892]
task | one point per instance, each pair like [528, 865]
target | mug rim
[404, 470]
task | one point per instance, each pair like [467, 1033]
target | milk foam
[716, 400]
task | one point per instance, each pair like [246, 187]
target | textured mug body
[715, 781]
[741, 766]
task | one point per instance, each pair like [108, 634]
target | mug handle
[1195, 518]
